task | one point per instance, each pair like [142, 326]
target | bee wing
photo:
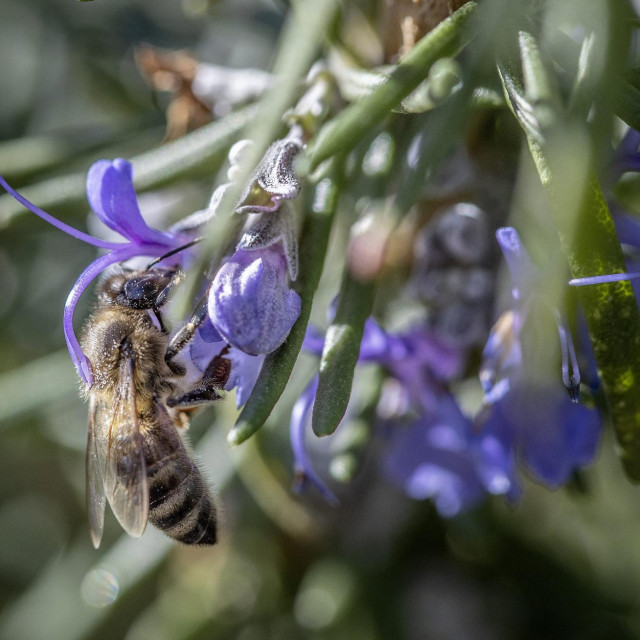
[119, 455]
[95, 485]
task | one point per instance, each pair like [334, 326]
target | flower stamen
[570, 369]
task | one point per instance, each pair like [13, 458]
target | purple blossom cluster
[433, 450]
[250, 306]
[527, 423]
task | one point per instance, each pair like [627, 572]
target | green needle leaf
[340, 354]
[627, 97]
[345, 131]
[564, 159]
[278, 365]
[539, 83]
[628, 107]
[190, 155]
[611, 310]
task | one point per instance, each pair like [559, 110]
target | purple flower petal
[629, 144]
[625, 158]
[552, 435]
[313, 341]
[627, 227]
[523, 272]
[496, 466]
[85, 237]
[537, 425]
[112, 197]
[202, 349]
[433, 458]
[379, 346]
[208, 332]
[502, 355]
[250, 302]
[300, 416]
[424, 347]
[244, 373]
[80, 361]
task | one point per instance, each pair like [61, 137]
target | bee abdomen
[179, 501]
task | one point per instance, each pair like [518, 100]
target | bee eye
[142, 292]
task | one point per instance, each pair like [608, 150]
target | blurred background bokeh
[562, 564]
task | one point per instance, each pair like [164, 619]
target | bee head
[138, 289]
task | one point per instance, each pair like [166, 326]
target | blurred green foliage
[560, 565]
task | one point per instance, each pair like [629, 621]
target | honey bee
[137, 458]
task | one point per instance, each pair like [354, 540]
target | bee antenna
[153, 263]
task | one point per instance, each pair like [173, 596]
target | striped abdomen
[179, 501]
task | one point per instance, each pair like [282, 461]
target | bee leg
[161, 299]
[184, 335]
[158, 315]
[176, 368]
[199, 395]
[208, 388]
